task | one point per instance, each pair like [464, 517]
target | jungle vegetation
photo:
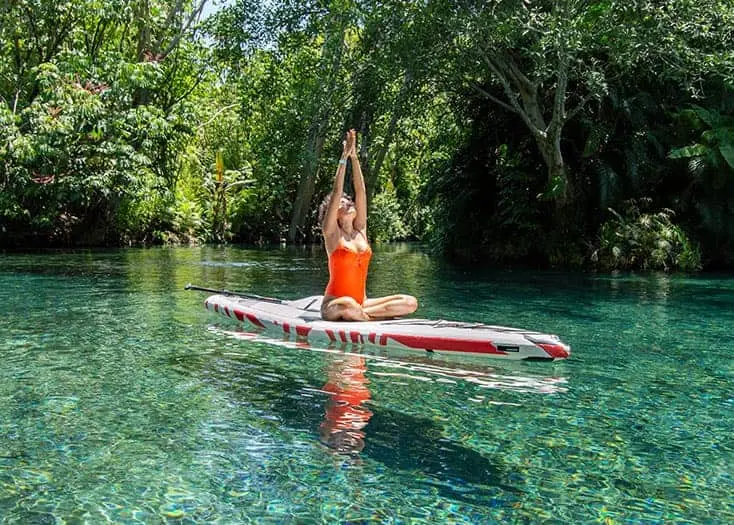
[566, 133]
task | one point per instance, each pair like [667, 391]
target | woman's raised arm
[329, 226]
[360, 193]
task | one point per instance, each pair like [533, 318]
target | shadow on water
[339, 413]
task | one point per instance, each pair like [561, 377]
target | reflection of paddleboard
[302, 319]
[418, 366]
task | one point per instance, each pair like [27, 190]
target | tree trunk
[317, 132]
[365, 150]
[397, 112]
[522, 99]
[559, 183]
[550, 148]
[307, 183]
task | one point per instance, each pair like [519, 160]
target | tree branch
[34, 32]
[493, 98]
[520, 79]
[98, 38]
[575, 111]
[194, 15]
[175, 9]
[559, 98]
[221, 110]
[186, 93]
[495, 69]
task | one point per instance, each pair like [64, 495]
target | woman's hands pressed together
[350, 145]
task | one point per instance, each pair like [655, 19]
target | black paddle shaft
[190, 286]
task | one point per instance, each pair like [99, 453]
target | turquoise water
[122, 400]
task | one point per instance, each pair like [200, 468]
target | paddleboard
[301, 319]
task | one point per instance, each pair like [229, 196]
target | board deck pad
[301, 319]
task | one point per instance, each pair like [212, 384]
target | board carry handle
[190, 286]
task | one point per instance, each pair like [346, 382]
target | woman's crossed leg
[347, 309]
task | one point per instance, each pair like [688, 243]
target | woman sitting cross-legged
[344, 226]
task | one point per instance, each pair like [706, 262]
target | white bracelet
[343, 162]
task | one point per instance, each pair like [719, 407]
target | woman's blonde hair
[325, 204]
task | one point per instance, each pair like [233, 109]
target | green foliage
[386, 218]
[715, 148]
[494, 130]
[516, 234]
[708, 135]
[640, 240]
[93, 118]
[70, 157]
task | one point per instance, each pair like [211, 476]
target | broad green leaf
[695, 150]
[727, 151]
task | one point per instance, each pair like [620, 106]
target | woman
[344, 225]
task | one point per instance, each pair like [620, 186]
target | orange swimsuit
[348, 273]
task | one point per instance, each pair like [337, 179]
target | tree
[81, 139]
[545, 61]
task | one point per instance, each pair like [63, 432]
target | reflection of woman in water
[346, 416]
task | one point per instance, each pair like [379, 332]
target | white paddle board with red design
[301, 319]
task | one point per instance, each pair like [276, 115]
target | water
[122, 400]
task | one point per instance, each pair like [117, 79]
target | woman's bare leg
[343, 309]
[390, 306]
